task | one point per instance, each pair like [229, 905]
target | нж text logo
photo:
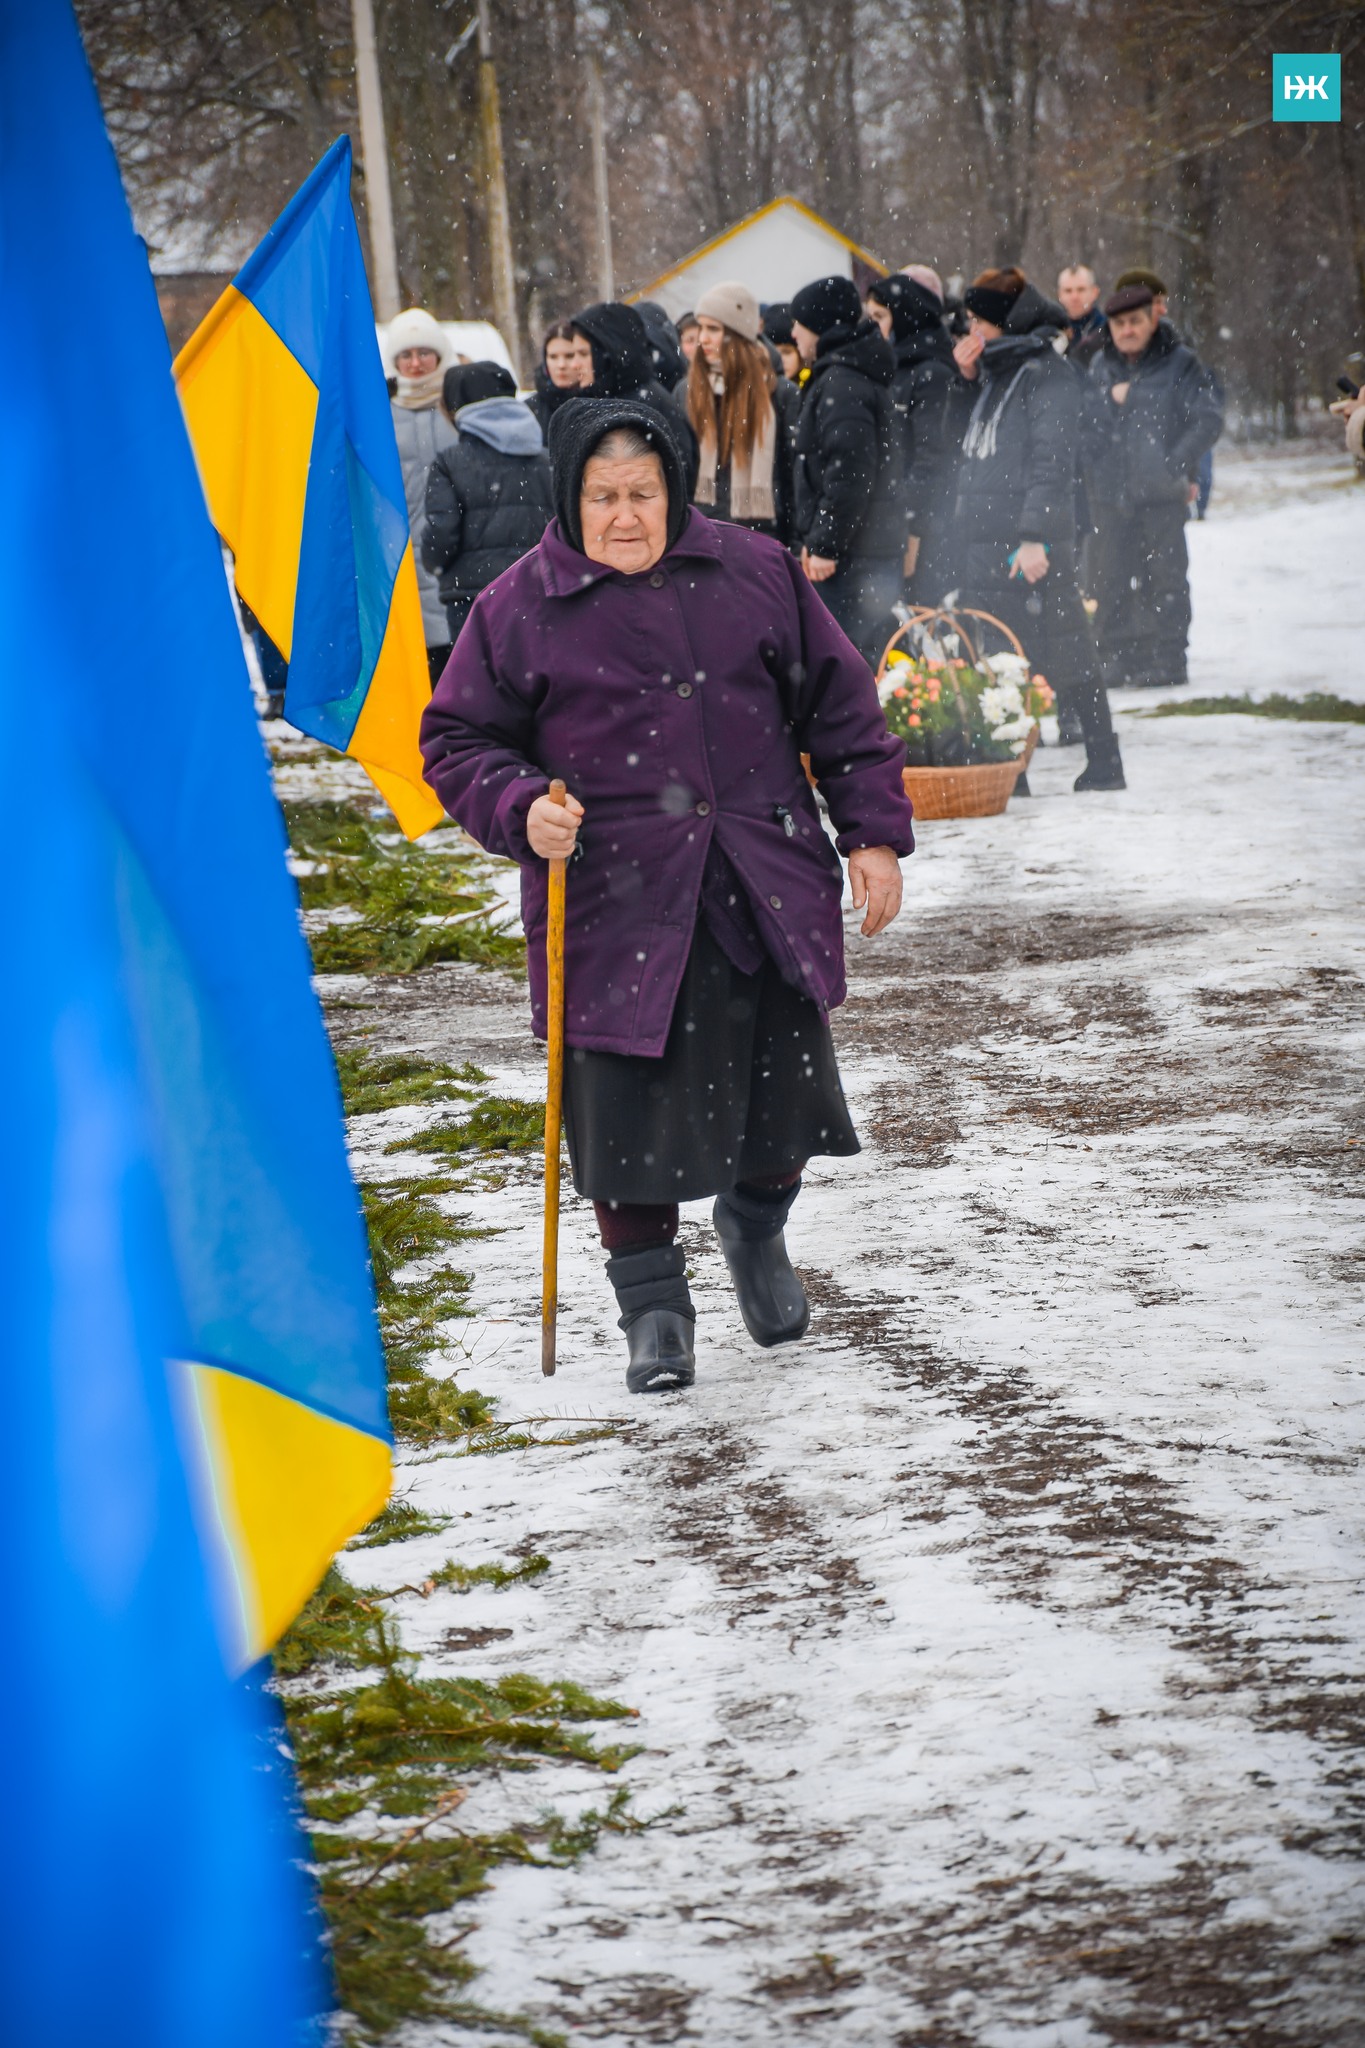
[1307, 88]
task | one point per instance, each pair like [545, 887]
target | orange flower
[913, 719]
[900, 691]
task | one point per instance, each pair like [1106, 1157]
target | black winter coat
[929, 413]
[547, 398]
[485, 510]
[848, 478]
[1147, 451]
[1017, 471]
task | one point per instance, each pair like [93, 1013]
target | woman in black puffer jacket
[488, 498]
[1014, 520]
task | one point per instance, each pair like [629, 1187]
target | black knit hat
[575, 432]
[829, 302]
[468, 383]
[914, 309]
[989, 304]
[777, 324]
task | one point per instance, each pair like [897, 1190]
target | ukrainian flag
[284, 394]
[194, 1405]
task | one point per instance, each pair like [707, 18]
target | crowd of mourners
[1030, 457]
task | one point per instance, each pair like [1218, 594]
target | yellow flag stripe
[289, 1487]
[385, 737]
[250, 408]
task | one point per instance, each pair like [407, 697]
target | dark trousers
[437, 657]
[1053, 628]
[861, 594]
[1142, 583]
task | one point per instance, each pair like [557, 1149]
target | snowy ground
[998, 1649]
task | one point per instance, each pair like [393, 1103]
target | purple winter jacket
[676, 704]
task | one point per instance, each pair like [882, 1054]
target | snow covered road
[1000, 1649]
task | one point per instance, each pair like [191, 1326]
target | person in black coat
[849, 517]
[926, 392]
[565, 360]
[1155, 412]
[623, 367]
[489, 498]
[1015, 511]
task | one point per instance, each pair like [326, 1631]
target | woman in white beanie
[743, 414]
[417, 354]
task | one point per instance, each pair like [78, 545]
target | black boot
[771, 1298]
[1103, 766]
[657, 1316]
[1070, 731]
[274, 704]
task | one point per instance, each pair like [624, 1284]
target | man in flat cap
[1155, 412]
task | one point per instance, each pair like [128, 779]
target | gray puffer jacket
[421, 436]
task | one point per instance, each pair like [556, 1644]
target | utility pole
[499, 223]
[606, 280]
[374, 154]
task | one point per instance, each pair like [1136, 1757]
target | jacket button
[656, 581]
[776, 902]
[703, 810]
[684, 689]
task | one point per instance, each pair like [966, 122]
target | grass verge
[376, 1744]
[1319, 707]
[413, 905]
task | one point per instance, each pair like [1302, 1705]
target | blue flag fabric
[180, 1241]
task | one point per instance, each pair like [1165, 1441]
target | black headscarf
[665, 346]
[913, 308]
[577, 429]
[621, 358]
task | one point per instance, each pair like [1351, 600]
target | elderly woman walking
[673, 670]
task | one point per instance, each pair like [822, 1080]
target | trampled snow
[998, 1648]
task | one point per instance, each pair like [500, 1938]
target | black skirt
[748, 1085]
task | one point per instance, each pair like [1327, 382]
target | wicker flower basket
[980, 792]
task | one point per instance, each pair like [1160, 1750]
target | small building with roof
[774, 251]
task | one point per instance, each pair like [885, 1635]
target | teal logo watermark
[1307, 88]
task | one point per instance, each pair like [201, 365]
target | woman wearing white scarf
[417, 354]
[743, 414]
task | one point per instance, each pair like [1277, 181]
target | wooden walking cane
[554, 1100]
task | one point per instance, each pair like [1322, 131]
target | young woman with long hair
[565, 366]
[743, 415]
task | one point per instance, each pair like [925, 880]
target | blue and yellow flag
[194, 1406]
[284, 393]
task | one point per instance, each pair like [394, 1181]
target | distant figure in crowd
[488, 496]
[1154, 413]
[565, 366]
[924, 391]
[744, 417]
[777, 331]
[687, 341]
[417, 353]
[850, 521]
[623, 367]
[1015, 512]
[1080, 295]
[665, 344]
[673, 670]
